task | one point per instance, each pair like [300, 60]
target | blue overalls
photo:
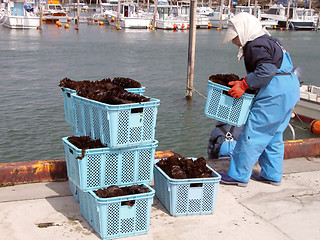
[262, 136]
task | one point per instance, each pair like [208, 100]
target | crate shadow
[66, 205]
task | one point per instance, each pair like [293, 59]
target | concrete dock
[47, 210]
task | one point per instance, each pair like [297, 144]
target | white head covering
[247, 27]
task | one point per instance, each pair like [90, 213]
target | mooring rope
[196, 91]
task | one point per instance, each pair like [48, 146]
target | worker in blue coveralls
[269, 69]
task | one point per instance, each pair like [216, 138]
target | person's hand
[238, 89]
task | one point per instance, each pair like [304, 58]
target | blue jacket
[262, 58]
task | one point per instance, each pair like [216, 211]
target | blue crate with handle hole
[111, 218]
[224, 108]
[101, 167]
[116, 126]
[182, 197]
[67, 100]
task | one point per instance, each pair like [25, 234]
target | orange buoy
[281, 29]
[96, 20]
[174, 26]
[100, 23]
[66, 25]
[315, 127]
[182, 26]
[218, 29]
[112, 19]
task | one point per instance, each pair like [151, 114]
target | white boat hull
[21, 22]
[170, 23]
[309, 105]
[132, 23]
[308, 109]
[215, 23]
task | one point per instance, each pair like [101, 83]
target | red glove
[239, 87]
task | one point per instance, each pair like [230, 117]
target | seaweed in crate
[224, 79]
[185, 168]
[115, 191]
[126, 82]
[85, 142]
[116, 96]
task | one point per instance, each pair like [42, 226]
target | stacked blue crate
[128, 131]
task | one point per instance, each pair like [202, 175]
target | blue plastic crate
[115, 125]
[182, 197]
[110, 219]
[68, 106]
[102, 167]
[74, 190]
[225, 108]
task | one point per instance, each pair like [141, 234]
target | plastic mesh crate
[74, 190]
[116, 125]
[111, 219]
[181, 197]
[225, 108]
[103, 167]
[68, 107]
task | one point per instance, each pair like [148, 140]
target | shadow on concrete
[69, 207]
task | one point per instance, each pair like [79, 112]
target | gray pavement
[47, 210]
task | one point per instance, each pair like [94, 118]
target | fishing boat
[309, 106]
[299, 18]
[129, 17]
[214, 17]
[170, 18]
[20, 15]
[53, 11]
[204, 9]
[202, 19]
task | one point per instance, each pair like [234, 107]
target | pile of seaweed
[224, 79]
[106, 90]
[85, 142]
[105, 82]
[115, 191]
[185, 167]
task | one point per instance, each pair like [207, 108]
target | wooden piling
[288, 11]
[154, 14]
[221, 13]
[191, 48]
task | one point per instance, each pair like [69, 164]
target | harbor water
[33, 62]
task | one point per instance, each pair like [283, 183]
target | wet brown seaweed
[115, 191]
[126, 82]
[85, 142]
[185, 167]
[224, 79]
[105, 90]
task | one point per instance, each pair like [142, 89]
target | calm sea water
[33, 62]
